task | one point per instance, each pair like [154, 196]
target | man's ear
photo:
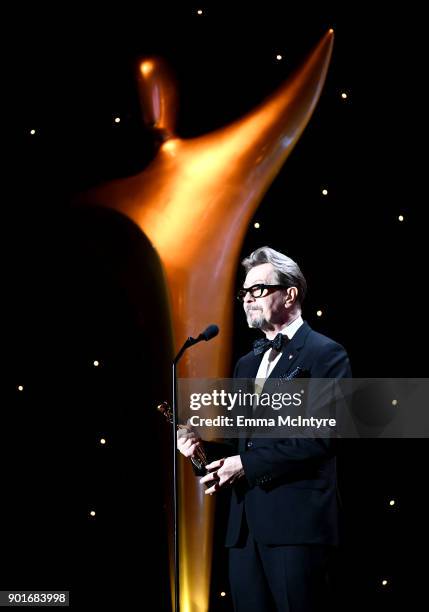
[291, 296]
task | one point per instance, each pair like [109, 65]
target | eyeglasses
[257, 291]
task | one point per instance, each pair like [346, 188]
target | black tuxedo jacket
[289, 492]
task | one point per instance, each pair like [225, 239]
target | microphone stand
[176, 484]
[212, 331]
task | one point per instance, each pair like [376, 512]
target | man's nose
[248, 298]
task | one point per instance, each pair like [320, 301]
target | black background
[67, 73]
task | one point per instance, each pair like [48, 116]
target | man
[283, 517]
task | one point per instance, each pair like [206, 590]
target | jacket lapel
[291, 352]
[249, 369]
[251, 366]
[287, 360]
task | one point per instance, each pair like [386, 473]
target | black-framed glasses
[257, 291]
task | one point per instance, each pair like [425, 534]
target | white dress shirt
[271, 357]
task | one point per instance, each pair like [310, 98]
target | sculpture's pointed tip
[327, 42]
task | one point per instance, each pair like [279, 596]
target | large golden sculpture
[194, 202]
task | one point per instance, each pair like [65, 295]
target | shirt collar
[291, 329]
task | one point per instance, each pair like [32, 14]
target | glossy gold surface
[158, 96]
[194, 201]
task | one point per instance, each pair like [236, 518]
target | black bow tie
[263, 344]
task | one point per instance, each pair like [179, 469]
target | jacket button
[249, 444]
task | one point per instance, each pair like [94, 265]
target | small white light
[257, 225]
[222, 594]
[102, 441]
[279, 57]
[344, 95]
[324, 192]
[199, 12]
[92, 513]
[20, 388]
[96, 363]
[32, 132]
[394, 402]
[319, 313]
[392, 502]
[117, 120]
[384, 582]
[400, 218]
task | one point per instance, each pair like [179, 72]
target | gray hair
[287, 270]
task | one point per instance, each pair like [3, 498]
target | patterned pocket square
[298, 372]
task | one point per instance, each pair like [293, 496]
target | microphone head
[210, 332]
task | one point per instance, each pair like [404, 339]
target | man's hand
[187, 440]
[224, 471]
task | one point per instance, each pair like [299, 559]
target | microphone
[210, 332]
